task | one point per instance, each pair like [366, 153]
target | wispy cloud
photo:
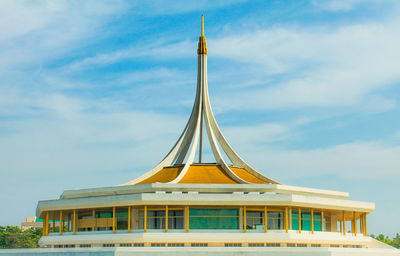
[346, 66]
[366, 160]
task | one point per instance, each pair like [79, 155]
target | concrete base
[217, 251]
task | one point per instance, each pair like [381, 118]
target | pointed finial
[202, 40]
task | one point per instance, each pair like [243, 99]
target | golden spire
[202, 39]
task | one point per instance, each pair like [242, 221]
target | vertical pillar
[95, 220]
[61, 223]
[47, 223]
[69, 222]
[187, 218]
[113, 220]
[299, 220]
[322, 221]
[54, 224]
[74, 223]
[265, 219]
[166, 218]
[344, 223]
[44, 226]
[365, 225]
[244, 219]
[341, 226]
[145, 219]
[129, 218]
[354, 224]
[312, 221]
[286, 220]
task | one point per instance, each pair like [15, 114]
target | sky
[95, 93]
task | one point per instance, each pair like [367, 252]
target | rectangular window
[315, 245]
[275, 220]
[121, 215]
[176, 244]
[233, 245]
[317, 221]
[138, 244]
[256, 245]
[125, 245]
[213, 218]
[108, 245]
[255, 220]
[157, 244]
[104, 219]
[291, 245]
[327, 223]
[334, 245]
[175, 219]
[306, 221]
[85, 246]
[295, 220]
[301, 245]
[155, 219]
[273, 245]
[199, 245]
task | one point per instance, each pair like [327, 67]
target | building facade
[184, 202]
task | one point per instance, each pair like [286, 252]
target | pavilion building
[185, 202]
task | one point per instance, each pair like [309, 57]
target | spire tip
[202, 25]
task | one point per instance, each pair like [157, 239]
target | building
[185, 202]
[35, 223]
[31, 222]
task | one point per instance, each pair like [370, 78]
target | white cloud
[258, 134]
[34, 32]
[345, 66]
[347, 5]
[356, 161]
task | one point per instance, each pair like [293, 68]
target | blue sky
[94, 93]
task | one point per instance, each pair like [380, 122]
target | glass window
[213, 218]
[306, 221]
[317, 221]
[295, 220]
[175, 219]
[155, 219]
[255, 220]
[233, 245]
[157, 244]
[121, 215]
[256, 244]
[199, 244]
[176, 244]
[275, 219]
[327, 223]
[104, 219]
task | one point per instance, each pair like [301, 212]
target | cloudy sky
[94, 93]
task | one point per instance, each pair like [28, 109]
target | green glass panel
[306, 215]
[103, 214]
[317, 225]
[214, 218]
[317, 216]
[295, 220]
[306, 225]
[213, 212]
[121, 213]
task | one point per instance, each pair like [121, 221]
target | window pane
[213, 218]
